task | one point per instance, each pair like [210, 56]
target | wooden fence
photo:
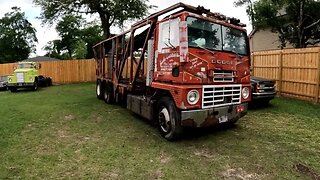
[62, 71]
[297, 71]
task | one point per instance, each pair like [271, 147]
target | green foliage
[17, 37]
[77, 39]
[249, 7]
[296, 21]
[91, 34]
[110, 11]
[80, 49]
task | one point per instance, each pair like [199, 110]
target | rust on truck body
[206, 76]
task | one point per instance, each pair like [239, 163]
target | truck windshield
[213, 36]
[23, 66]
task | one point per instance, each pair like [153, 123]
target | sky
[45, 33]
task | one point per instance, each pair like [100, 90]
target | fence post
[318, 79]
[280, 74]
[252, 64]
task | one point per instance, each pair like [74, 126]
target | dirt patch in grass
[111, 175]
[69, 117]
[302, 169]
[164, 158]
[158, 174]
[239, 173]
[204, 152]
[62, 133]
[96, 117]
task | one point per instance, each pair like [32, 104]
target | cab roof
[26, 62]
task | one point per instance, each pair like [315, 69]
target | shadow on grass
[196, 133]
[189, 133]
[257, 106]
[27, 90]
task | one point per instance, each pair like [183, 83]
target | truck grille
[268, 88]
[223, 76]
[221, 95]
[20, 77]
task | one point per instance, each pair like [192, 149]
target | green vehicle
[26, 75]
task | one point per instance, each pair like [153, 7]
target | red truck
[181, 67]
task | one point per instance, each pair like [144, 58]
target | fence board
[62, 71]
[296, 71]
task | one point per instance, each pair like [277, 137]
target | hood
[256, 79]
[23, 70]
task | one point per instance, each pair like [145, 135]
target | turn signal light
[240, 109]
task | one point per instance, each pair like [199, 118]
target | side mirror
[39, 66]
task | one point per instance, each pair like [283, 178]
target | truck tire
[108, 94]
[13, 89]
[99, 91]
[168, 119]
[35, 86]
[264, 102]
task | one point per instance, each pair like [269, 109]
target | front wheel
[35, 86]
[169, 122]
[13, 89]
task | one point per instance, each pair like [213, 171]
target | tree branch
[313, 42]
[313, 24]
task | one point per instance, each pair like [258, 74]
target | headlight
[261, 86]
[31, 78]
[245, 92]
[10, 79]
[193, 97]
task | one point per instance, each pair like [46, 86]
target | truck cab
[25, 75]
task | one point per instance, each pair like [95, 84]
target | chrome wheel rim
[164, 120]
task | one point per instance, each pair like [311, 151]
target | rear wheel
[169, 122]
[50, 82]
[99, 90]
[108, 94]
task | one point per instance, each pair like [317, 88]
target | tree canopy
[111, 12]
[296, 21]
[76, 39]
[249, 7]
[17, 37]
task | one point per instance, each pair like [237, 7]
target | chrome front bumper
[20, 84]
[213, 116]
[266, 95]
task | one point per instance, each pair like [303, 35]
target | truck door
[167, 49]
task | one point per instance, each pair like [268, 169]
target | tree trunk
[302, 43]
[106, 31]
[105, 24]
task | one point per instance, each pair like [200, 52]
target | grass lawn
[65, 132]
